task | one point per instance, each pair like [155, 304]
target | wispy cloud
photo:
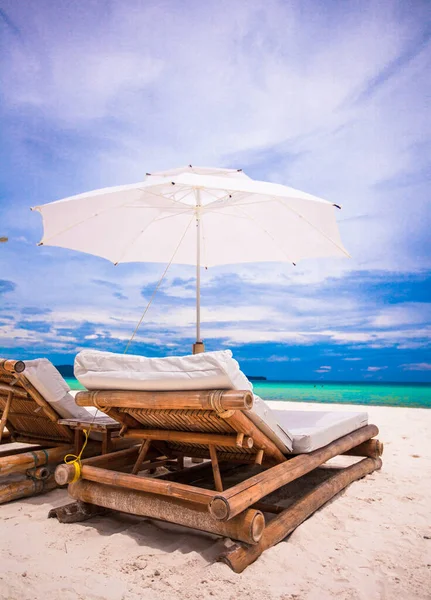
[416, 367]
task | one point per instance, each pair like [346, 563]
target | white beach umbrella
[195, 215]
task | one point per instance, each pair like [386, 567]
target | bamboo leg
[216, 469]
[5, 414]
[142, 454]
[79, 440]
[259, 457]
[6, 437]
[239, 557]
[106, 441]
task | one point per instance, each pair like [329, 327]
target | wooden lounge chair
[28, 417]
[215, 425]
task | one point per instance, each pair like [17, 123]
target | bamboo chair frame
[30, 419]
[214, 425]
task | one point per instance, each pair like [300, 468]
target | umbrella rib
[314, 227]
[268, 234]
[145, 229]
[134, 241]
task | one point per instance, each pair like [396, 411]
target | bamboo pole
[218, 400]
[147, 484]
[187, 437]
[239, 497]
[24, 488]
[39, 473]
[6, 451]
[141, 456]
[5, 414]
[371, 448]
[241, 423]
[239, 557]
[9, 367]
[65, 473]
[247, 527]
[20, 463]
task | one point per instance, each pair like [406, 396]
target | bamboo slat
[17, 391]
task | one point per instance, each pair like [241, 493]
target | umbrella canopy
[195, 215]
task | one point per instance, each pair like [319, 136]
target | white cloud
[416, 367]
[281, 358]
[375, 369]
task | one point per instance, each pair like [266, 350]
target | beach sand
[372, 541]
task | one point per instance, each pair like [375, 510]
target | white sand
[372, 541]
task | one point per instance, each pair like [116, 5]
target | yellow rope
[75, 459]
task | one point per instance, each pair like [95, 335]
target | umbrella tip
[239, 170]
[294, 264]
[40, 244]
[337, 206]
[147, 174]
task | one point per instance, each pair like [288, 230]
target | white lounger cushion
[51, 385]
[209, 370]
[314, 429]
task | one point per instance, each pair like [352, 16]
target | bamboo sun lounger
[219, 425]
[28, 417]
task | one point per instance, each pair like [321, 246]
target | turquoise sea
[380, 394]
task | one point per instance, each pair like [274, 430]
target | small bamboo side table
[105, 426]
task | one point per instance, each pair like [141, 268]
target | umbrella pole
[199, 346]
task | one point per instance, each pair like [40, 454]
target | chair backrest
[28, 416]
[188, 423]
[206, 371]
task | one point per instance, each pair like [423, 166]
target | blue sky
[328, 97]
